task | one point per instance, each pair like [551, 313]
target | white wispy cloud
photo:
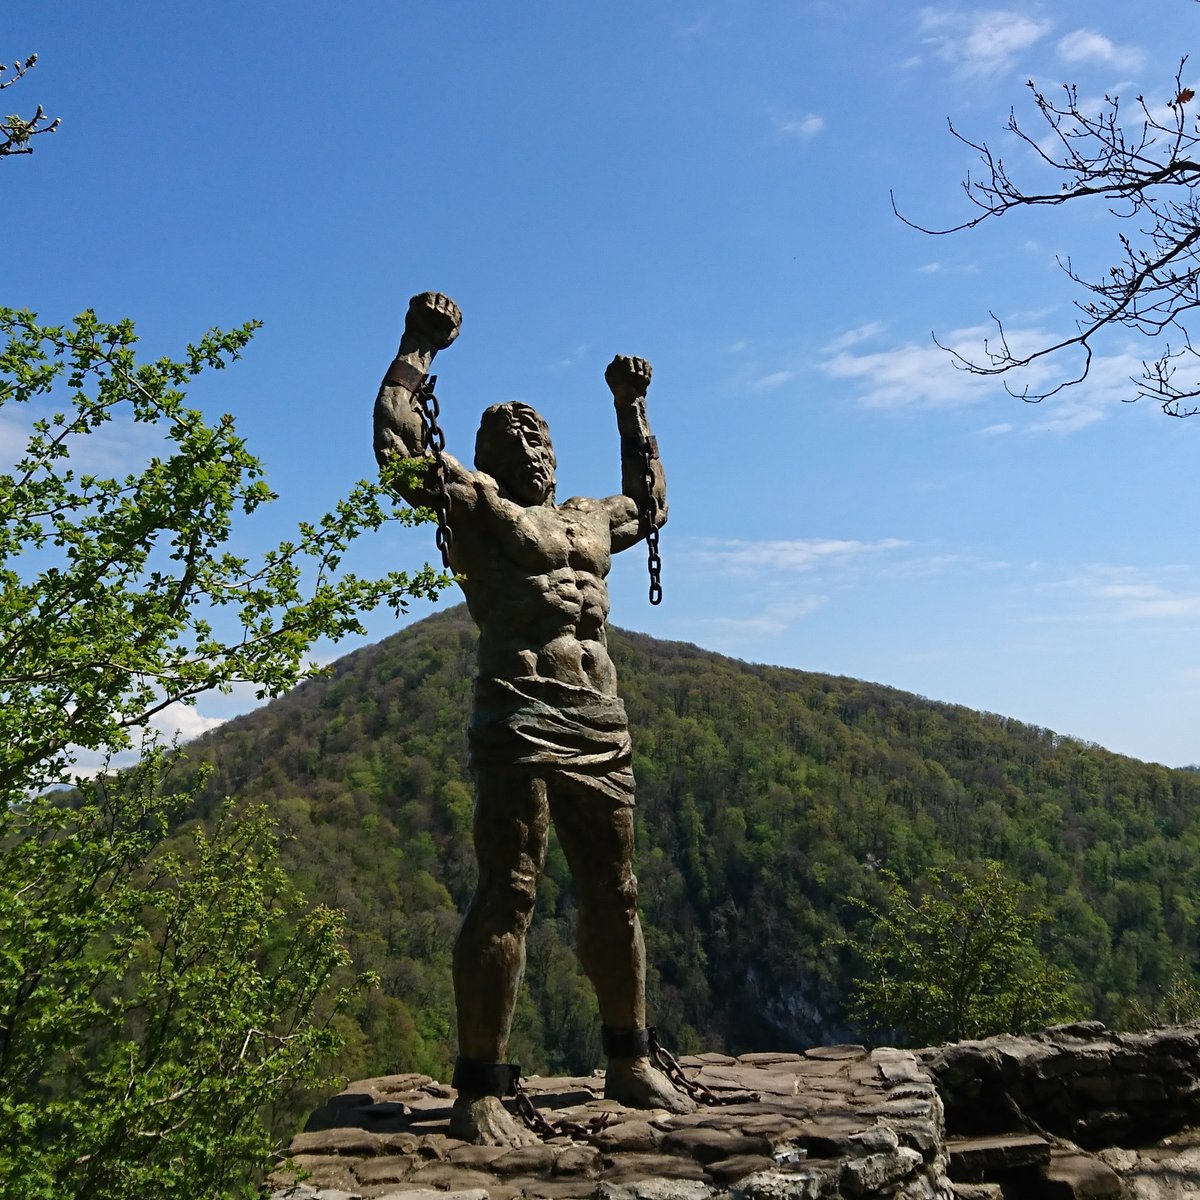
[177, 723]
[13, 437]
[1088, 46]
[982, 42]
[744, 556]
[853, 337]
[183, 722]
[926, 564]
[1095, 107]
[908, 375]
[1069, 416]
[1135, 594]
[1160, 104]
[914, 377]
[1107, 388]
[570, 359]
[773, 620]
[696, 27]
[805, 127]
[781, 582]
[768, 383]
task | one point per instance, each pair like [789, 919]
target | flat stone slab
[973, 1160]
[833, 1122]
[1074, 1175]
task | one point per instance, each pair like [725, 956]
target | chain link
[528, 1113]
[661, 1058]
[433, 442]
[668, 1064]
[649, 515]
[547, 1130]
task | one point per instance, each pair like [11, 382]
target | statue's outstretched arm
[642, 478]
[433, 321]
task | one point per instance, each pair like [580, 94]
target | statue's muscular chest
[545, 539]
[537, 540]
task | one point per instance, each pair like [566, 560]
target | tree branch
[1149, 170]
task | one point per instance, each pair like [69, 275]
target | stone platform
[837, 1121]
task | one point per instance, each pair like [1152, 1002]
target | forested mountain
[767, 799]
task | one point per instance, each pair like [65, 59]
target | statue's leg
[511, 823]
[597, 839]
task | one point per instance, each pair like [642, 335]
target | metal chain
[649, 516]
[529, 1114]
[433, 442]
[661, 1058]
[547, 1130]
[667, 1063]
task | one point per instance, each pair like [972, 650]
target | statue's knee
[617, 894]
[523, 894]
[507, 899]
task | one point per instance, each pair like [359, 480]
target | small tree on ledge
[955, 960]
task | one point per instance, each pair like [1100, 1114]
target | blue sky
[705, 184]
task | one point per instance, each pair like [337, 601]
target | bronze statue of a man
[549, 738]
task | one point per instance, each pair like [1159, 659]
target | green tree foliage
[157, 998]
[957, 959]
[113, 587]
[1177, 1003]
[159, 989]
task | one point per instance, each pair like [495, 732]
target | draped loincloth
[565, 731]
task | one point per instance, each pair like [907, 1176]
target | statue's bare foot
[486, 1122]
[636, 1084]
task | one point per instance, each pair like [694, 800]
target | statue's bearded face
[513, 446]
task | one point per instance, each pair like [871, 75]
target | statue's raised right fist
[434, 319]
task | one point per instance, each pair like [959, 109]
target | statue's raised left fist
[433, 318]
[627, 377]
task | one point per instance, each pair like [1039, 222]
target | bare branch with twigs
[17, 132]
[1147, 171]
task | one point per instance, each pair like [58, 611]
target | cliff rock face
[1081, 1082]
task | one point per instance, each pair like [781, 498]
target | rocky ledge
[836, 1121]
[1075, 1111]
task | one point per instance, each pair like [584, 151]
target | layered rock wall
[1083, 1082]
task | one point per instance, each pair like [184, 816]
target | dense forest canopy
[768, 801]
